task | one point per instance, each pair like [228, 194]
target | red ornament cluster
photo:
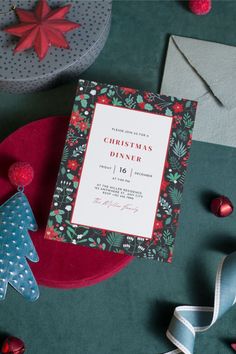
[13, 345]
[21, 174]
[222, 206]
[42, 28]
[200, 7]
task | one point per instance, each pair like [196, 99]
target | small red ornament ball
[200, 7]
[222, 206]
[13, 345]
[233, 346]
[21, 174]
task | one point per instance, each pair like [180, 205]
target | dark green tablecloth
[129, 313]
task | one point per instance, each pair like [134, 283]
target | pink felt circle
[61, 265]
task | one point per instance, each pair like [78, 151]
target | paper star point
[42, 28]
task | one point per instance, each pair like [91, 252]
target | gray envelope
[205, 72]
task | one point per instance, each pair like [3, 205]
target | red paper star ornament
[42, 28]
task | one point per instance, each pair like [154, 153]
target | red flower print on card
[178, 107]
[167, 165]
[164, 185]
[75, 179]
[83, 126]
[72, 164]
[75, 118]
[103, 99]
[148, 96]
[155, 239]
[158, 107]
[185, 160]
[169, 260]
[128, 90]
[51, 233]
[189, 142]
[158, 224]
[104, 233]
[141, 105]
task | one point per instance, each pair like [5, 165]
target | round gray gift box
[23, 72]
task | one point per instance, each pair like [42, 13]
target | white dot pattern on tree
[16, 246]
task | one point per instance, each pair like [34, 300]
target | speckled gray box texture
[23, 72]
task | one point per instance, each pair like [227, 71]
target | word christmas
[127, 144]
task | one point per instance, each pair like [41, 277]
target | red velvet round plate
[61, 265]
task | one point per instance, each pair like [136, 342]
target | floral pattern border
[160, 247]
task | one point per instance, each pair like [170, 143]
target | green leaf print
[174, 163]
[179, 149]
[116, 102]
[168, 112]
[173, 177]
[111, 93]
[70, 176]
[115, 239]
[65, 154]
[103, 90]
[84, 103]
[168, 238]
[139, 99]
[176, 195]
[148, 107]
[58, 218]
[187, 120]
[63, 170]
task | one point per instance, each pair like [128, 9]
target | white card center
[122, 171]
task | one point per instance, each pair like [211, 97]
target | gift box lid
[24, 71]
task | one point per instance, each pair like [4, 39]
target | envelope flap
[215, 63]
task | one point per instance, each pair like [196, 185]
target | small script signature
[111, 204]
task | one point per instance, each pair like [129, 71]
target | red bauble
[200, 7]
[222, 206]
[233, 346]
[42, 28]
[13, 345]
[21, 174]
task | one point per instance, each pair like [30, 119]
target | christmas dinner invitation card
[121, 177]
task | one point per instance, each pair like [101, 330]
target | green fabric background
[129, 313]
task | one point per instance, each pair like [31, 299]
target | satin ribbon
[189, 320]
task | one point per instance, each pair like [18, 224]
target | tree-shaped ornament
[16, 218]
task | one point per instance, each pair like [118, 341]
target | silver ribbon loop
[189, 320]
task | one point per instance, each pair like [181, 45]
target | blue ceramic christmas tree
[16, 218]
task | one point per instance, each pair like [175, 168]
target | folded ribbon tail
[189, 320]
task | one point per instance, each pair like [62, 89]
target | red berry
[5, 347]
[13, 345]
[21, 174]
[200, 7]
[233, 346]
[222, 206]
